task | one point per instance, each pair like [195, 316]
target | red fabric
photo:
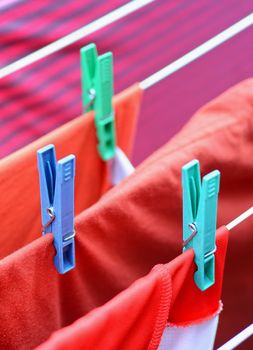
[19, 183]
[135, 319]
[43, 96]
[137, 225]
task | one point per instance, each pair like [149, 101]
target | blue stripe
[35, 122]
[42, 85]
[49, 99]
[41, 65]
[174, 43]
[49, 27]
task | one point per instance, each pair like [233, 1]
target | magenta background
[46, 94]
[171, 103]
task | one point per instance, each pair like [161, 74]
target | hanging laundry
[138, 225]
[164, 310]
[19, 183]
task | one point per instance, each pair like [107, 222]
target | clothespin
[57, 204]
[199, 220]
[97, 92]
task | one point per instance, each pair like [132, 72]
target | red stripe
[18, 11]
[49, 36]
[28, 86]
[173, 48]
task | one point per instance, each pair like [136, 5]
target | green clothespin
[97, 92]
[199, 220]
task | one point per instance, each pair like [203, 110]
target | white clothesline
[240, 219]
[71, 38]
[238, 339]
[198, 51]
[112, 17]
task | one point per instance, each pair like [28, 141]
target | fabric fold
[19, 182]
[137, 226]
[136, 318]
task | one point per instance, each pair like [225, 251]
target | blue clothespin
[199, 220]
[97, 92]
[57, 204]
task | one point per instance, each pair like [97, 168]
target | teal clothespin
[199, 220]
[97, 92]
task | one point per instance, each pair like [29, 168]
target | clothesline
[199, 51]
[112, 17]
[73, 37]
[238, 339]
[29, 277]
[240, 219]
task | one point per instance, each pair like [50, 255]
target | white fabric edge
[199, 336]
[120, 167]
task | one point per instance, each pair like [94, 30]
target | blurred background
[46, 94]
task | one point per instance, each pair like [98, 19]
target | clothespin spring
[92, 96]
[70, 236]
[194, 231]
[210, 253]
[52, 216]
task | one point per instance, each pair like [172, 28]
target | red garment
[138, 225]
[136, 318]
[19, 180]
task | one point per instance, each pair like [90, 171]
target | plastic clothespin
[57, 204]
[199, 220]
[97, 92]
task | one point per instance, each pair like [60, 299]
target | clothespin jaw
[47, 173]
[97, 92]
[199, 220]
[57, 204]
